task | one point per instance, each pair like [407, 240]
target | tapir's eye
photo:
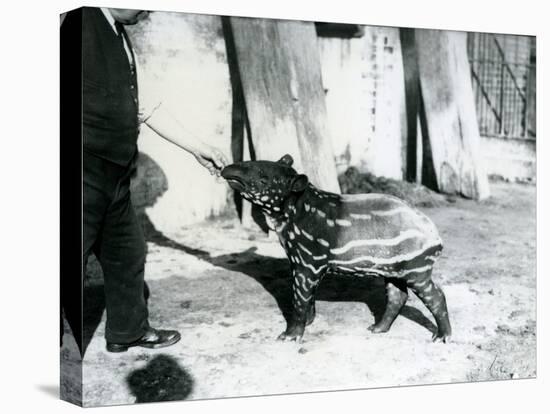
[263, 180]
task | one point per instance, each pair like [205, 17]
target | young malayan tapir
[360, 234]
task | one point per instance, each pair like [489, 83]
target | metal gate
[504, 83]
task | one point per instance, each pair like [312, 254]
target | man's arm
[168, 127]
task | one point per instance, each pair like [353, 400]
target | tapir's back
[384, 216]
[379, 231]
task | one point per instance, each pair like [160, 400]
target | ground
[227, 290]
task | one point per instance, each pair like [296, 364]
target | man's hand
[169, 128]
[211, 158]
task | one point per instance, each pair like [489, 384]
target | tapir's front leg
[303, 292]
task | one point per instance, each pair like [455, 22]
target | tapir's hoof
[290, 337]
[442, 337]
[378, 328]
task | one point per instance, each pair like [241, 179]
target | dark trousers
[112, 232]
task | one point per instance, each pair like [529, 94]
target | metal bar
[484, 51]
[501, 52]
[525, 123]
[497, 81]
[501, 126]
[485, 95]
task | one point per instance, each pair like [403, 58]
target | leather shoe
[153, 338]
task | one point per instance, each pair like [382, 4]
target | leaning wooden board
[450, 113]
[280, 71]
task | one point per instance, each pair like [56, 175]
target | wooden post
[240, 131]
[451, 122]
[412, 104]
[280, 71]
[530, 119]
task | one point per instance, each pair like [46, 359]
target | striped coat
[363, 234]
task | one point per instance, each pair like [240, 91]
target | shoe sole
[116, 348]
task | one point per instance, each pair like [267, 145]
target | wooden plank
[451, 122]
[280, 71]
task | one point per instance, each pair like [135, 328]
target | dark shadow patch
[149, 182]
[417, 316]
[162, 379]
[428, 176]
[339, 30]
[272, 273]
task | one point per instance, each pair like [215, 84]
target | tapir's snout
[229, 171]
[237, 170]
[235, 176]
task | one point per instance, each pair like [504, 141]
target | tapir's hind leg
[434, 299]
[396, 294]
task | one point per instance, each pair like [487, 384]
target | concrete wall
[511, 159]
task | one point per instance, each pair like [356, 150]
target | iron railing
[503, 77]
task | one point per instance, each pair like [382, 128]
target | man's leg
[122, 251]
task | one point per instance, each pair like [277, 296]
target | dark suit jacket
[109, 87]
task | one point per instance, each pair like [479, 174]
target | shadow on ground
[275, 277]
[162, 379]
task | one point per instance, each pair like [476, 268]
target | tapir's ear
[287, 160]
[299, 183]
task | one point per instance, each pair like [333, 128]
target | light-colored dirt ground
[226, 289]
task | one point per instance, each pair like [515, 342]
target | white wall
[366, 100]
[183, 57]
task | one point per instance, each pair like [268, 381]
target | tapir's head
[265, 183]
